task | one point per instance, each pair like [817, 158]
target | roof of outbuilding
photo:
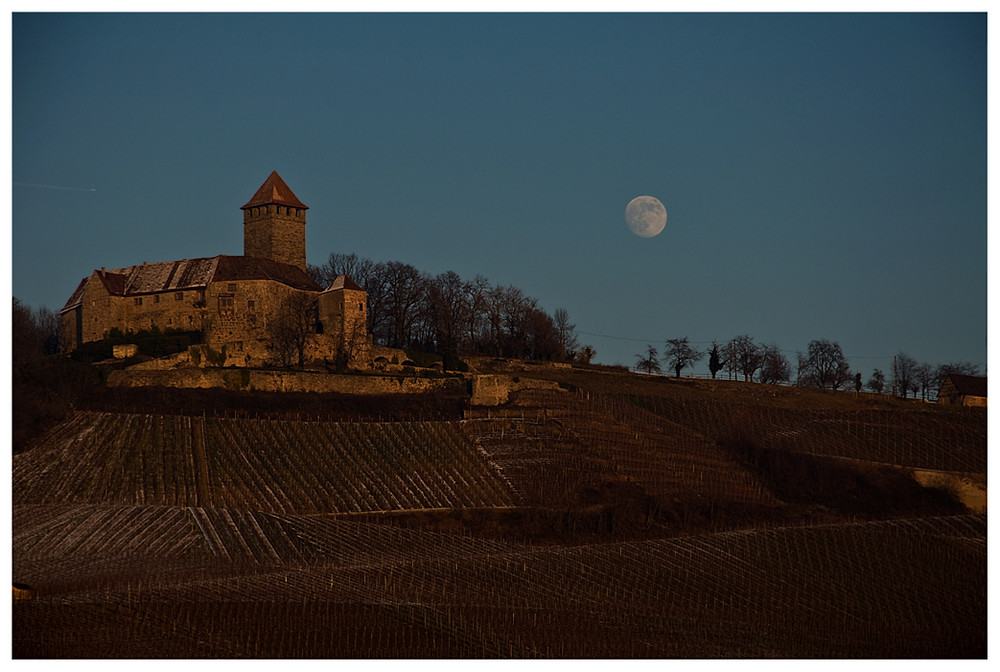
[274, 190]
[970, 386]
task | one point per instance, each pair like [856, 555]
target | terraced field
[577, 524]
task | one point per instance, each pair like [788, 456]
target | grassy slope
[629, 516]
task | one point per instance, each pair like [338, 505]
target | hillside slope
[622, 517]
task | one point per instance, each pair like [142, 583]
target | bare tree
[680, 355]
[337, 264]
[876, 383]
[405, 294]
[513, 309]
[747, 355]
[354, 341]
[731, 364]
[650, 363]
[924, 378]
[824, 366]
[904, 374]
[448, 313]
[542, 336]
[478, 299]
[567, 338]
[291, 327]
[774, 367]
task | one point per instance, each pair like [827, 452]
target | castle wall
[162, 310]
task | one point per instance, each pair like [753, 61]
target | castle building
[236, 301]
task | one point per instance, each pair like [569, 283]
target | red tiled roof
[114, 282]
[274, 190]
[258, 268]
[172, 276]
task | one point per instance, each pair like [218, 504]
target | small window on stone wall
[232, 286]
[156, 298]
[225, 301]
[179, 296]
[250, 304]
[138, 300]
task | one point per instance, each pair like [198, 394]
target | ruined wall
[493, 390]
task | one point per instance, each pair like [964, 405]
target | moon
[645, 216]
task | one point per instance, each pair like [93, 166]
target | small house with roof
[234, 300]
[959, 389]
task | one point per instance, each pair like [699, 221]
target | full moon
[645, 216]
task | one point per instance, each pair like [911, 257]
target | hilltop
[594, 513]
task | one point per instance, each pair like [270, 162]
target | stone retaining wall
[282, 381]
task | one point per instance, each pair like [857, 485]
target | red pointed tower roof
[274, 190]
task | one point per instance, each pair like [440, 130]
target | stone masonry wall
[275, 232]
[281, 381]
[494, 390]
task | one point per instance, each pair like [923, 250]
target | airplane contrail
[51, 186]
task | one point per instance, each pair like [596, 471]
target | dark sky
[824, 174]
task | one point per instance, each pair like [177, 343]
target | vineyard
[628, 519]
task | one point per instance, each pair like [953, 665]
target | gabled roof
[970, 386]
[174, 276]
[76, 297]
[259, 268]
[274, 190]
[342, 282]
[170, 276]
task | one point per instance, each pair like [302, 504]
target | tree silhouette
[774, 367]
[650, 363]
[680, 354]
[715, 360]
[877, 382]
[824, 366]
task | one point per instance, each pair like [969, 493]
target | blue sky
[824, 174]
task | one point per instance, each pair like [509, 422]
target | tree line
[453, 317]
[823, 365]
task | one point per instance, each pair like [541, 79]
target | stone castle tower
[274, 224]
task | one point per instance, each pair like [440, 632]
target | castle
[239, 303]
